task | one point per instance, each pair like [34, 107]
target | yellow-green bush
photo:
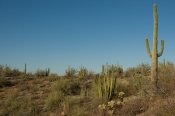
[18, 106]
[54, 100]
[67, 86]
[70, 72]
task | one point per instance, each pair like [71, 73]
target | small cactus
[25, 69]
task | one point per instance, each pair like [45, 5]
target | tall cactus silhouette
[25, 69]
[155, 54]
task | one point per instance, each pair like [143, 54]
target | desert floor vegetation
[113, 91]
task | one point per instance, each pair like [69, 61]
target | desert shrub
[133, 107]
[53, 78]
[83, 72]
[123, 85]
[15, 73]
[166, 70]
[74, 106]
[143, 69]
[42, 73]
[34, 109]
[4, 82]
[8, 72]
[54, 100]
[11, 73]
[86, 86]
[141, 85]
[162, 107]
[67, 86]
[81, 106]
[70, 72]
[17, 106]
[166, 86]
[166, 80]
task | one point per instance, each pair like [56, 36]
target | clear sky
[58, 33]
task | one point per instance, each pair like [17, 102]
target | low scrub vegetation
[114, 91]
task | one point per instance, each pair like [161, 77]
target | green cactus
[25, 69]
[155, 54]
[47, 72]
[106, 84]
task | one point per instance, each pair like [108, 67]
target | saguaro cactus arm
[162, 48]
[147, 48]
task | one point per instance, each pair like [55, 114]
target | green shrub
[83, 72]
[67, 86]
[54, 100]
[17, 106]
[4, 82]
[70, 72]
[141, 84]
[123, 85]
[41, 73]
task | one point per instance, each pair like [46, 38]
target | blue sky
[58, 33]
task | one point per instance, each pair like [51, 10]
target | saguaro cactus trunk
[155, 54]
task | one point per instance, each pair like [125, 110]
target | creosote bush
[54, 100]
[67, 86]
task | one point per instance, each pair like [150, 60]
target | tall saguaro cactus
[25, 69]
[155, 54]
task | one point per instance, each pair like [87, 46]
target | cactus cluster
[116, 70]
[106, 84]
[154, 54]
[110, 107]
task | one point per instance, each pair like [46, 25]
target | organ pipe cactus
[106, 84]
[155, 54]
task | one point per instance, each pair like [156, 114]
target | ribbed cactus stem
[162, 48]
[147, 48]
[25, 69]
[154, 55]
